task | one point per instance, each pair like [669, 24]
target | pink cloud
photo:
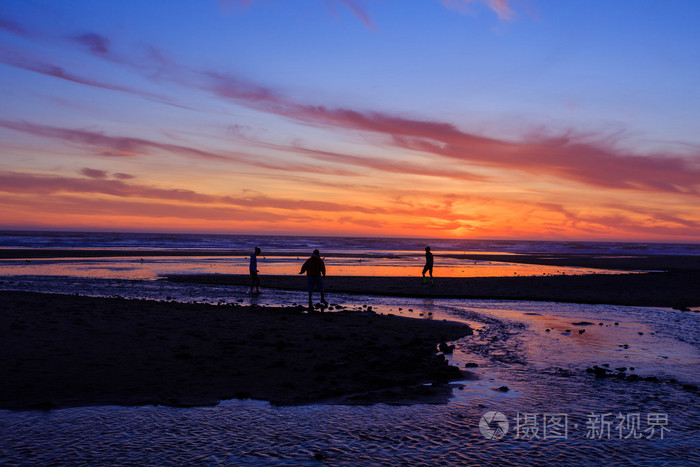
[53, 185]
[117, 146]
[356, 8]
[390, 165]
[93, 173]
[121, 146]
[28, 183]
[567, 157]
[500, 7]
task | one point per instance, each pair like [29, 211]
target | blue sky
[493, 118]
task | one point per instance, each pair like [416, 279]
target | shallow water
[544, 372]
[397, 265]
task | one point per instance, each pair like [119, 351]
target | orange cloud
[45, 200]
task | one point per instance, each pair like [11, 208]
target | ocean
[556, 411]
[277, 243]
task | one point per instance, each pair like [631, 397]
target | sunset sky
[529, 119]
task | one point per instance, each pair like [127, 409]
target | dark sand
[663, 289]
[63, 351]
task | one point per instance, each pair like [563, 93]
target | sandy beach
[69, 350]
[63, 351]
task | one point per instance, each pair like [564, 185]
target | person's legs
[254, 282]
[310, 287]
[319, 284]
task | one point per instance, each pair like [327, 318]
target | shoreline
[63, 351]
[652, 289]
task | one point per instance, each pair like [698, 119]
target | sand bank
[672, 289]
[62, 351]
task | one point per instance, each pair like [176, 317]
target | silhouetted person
[254, 279]
[428, 265]
[314, 268]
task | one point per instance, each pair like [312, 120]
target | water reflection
[510, 346]
[137, 268]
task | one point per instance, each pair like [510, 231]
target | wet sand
[663, 289]
[65, 351]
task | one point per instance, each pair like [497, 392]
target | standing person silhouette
[314, 268]
[428, 265]
[254, 279]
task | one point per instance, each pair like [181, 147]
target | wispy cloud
[105, 145]
[12, 27]
[55, 185]
[567, 157]
[358, 10]
[355, 6]
[95, 43]
[94, 173]
[16, 59]
[500, 7]
[99, 197]
[22, 182]
[395, 166]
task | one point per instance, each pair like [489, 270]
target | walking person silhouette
[254, 279]
[314, 268]
[428, 265]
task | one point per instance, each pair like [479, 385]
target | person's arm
[303, 267]
[323, 268]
